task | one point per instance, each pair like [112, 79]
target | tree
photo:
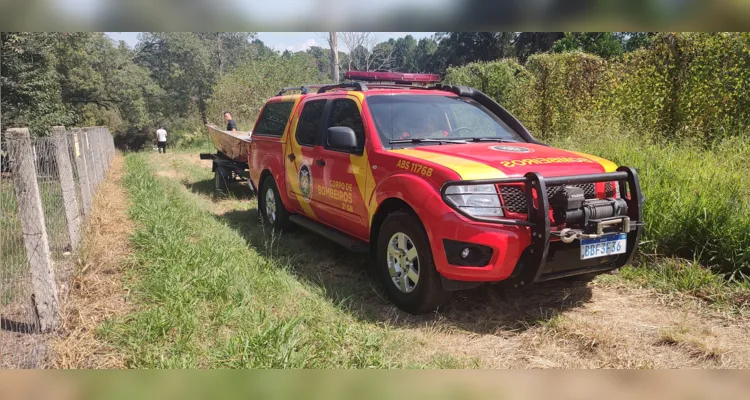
[405, 54]
[425, 52]
[635, 40]
[364, 54]
[459, 48]
[183, 65]
[229, 49]
[334, 55]
[529, 43]
[333, 41]
[245, 90]
[30, 86]
[603, 44]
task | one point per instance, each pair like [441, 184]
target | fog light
[465, 253]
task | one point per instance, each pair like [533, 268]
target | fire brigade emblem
[305, 182]
[512, 149]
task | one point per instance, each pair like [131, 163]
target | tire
[400, 233]
[275, 216]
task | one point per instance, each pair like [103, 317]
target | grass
[207, 300]
[697, 198]
[678, 276]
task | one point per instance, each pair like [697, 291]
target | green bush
[683, 85]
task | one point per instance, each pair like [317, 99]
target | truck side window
[308, 126]
[273, 119]
[346, 113]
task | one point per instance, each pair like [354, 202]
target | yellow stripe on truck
[466, 169]
[365, 182]
[609, 166]
[362, 170]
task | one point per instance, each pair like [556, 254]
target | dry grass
[97, 292]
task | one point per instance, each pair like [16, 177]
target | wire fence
[46, 190]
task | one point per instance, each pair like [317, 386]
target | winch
[587, 218]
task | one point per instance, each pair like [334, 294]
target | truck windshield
[403, 120]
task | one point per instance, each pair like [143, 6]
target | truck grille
[609, 190]
[515, 199]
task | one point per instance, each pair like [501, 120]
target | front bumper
[526, 251]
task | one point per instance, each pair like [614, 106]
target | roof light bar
[397, 77]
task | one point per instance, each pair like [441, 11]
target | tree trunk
[202, 109]
[334, 56]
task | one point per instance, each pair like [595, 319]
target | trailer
[229, 163]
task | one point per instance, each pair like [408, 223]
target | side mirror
[342, 138]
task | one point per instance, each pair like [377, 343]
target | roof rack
[358, 86]
[305, 89]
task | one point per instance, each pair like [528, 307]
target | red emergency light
[397, 77]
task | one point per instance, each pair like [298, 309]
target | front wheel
[405, 265]
[269, 204]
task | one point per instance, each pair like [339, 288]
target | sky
[292, 41]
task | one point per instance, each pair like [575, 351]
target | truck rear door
[300, 155]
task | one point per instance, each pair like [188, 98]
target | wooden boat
[234, 145]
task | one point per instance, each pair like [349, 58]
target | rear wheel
[220, 183]
[269, 204]
[405, 265]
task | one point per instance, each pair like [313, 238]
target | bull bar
[531, 266]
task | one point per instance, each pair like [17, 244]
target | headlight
[477, 200]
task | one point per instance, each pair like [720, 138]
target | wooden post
[67, 183]
[83, 174]
[89, 160]
[105, 151]
[95, 158]
[45, 295]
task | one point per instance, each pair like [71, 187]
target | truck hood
[489, 160]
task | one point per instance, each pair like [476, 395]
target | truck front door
[341, 177]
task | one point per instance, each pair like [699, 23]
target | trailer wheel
[220, 182]
[406, 266]
[270, 206]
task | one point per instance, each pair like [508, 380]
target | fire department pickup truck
[440, 185]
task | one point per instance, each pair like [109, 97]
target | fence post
[45, 296]
[103, 147]
[83, 174]
[95, 158]
[88, 161]
[67, 183]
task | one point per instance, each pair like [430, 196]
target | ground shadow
[207, 187]
[18, 327]
[345, 278]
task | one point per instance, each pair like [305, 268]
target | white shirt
[161, 135]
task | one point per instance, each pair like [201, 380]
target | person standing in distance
[161, 140]
[231, 125]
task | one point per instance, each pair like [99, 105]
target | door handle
[291, 157]
[320, 162]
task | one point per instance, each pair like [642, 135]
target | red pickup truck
[441, 186]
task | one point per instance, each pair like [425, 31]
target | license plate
[603, 246]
